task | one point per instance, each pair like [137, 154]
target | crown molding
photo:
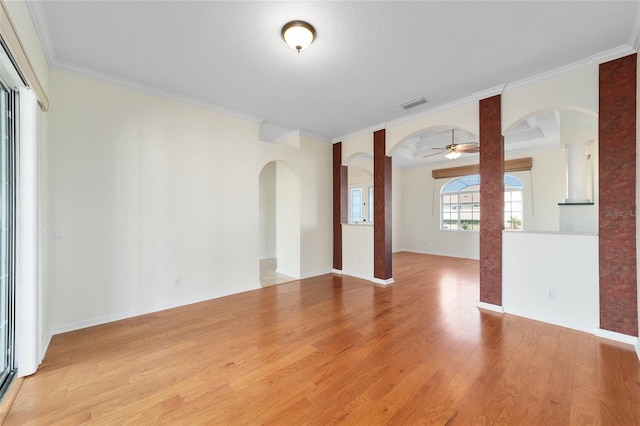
[36, 10]
[598, 58]
[431, 111]
[368, 130]
[287, 136]
[634, 40]
[315, 136]
[612, 54]
[488, 93]
[153, 91]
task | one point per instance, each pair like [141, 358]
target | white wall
[357, 251]
[397, 185]
[544, 187]
[314, 162]
[146, 191]
[287, 221]
[577, 90]
[551, 277]
[268, 211]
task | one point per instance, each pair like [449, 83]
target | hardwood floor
[332, 350]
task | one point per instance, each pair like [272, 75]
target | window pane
[371, 204]
[356, 205]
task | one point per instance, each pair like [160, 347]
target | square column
[491, 200]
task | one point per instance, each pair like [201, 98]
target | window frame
[469, 185]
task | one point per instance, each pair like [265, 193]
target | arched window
[460, 203]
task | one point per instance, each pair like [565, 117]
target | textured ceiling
[368, 58]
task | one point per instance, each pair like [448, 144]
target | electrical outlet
[551, 294]
[177, 282]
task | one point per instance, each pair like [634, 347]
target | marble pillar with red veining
[339, 203]
[491, 200]
[382, 267]
[617, 196]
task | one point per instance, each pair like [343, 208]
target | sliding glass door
[8, 119]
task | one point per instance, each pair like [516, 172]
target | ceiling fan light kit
[455, 150]
[452, 155]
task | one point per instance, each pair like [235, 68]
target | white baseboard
[528, 315]
[347, 273]
[433, 253]
[287, 273]
[598, 332]
[381, 281]
[315, 273]
[489, 307]
[45, 345]
[618, 337]
[161, 307]
[337, 271]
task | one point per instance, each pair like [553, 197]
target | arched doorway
[279, 208]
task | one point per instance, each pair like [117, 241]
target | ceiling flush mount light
[298, 35]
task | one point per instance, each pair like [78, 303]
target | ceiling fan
[455, 150]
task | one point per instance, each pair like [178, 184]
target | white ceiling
[368, 57]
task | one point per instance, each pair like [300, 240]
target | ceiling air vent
[413, 103]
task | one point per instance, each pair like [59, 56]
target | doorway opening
[279, 224]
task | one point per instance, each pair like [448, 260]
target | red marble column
[339, 203]
[382, 268]
[491, 200]
[617, 196]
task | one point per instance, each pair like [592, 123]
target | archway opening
[279, 207]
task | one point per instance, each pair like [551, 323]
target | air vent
[413, 103]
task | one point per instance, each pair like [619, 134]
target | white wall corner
[489, 307]
[287, 273]
[618, 337]
[337, 271]
[46, 341]
[382, 282]
[36, 9]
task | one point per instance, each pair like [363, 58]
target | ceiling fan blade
[468, 147]
[441, 149]
[431, 155]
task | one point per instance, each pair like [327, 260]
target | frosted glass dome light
[298, 35]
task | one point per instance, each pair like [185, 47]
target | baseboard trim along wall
[382, 282]
[489, 307]
[117, 317]
[110, 318]
[317, 273]
[618, 337]
[605, 334]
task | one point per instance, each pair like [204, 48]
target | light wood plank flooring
[336, 350]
